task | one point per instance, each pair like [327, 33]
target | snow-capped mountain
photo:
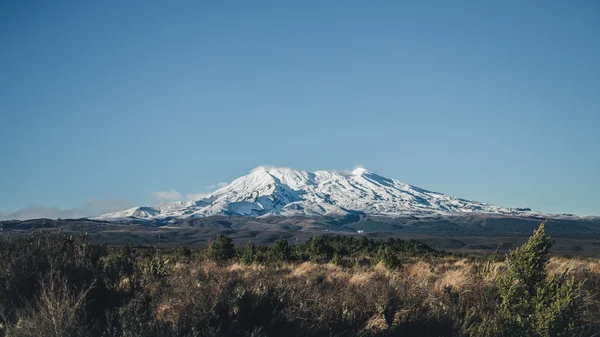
[288, 192]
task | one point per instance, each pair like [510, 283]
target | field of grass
[57, 285]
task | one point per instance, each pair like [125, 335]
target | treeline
[340, 250]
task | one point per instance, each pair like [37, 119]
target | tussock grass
[56, 286]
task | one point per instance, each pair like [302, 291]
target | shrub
[319, 250]
[156, 266]
[117, 265]
[387, 257]
[58, 311]
[337, 259]
[184, 252]
[248, 255]
[222, 249]
[49, 273]
[280, 251]
[532, 305]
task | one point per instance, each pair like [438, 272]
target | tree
[222, 249]
[280, 251]
[533, 305]
[319, 250]
[337, 259]
[388, 258]
[248, 254]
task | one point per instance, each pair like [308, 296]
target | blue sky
[109, 104]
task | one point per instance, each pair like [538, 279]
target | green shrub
[117, 265]
[156, 267]
[386, 256]
[248, 255]
[222, 249]
[319, 250]
[337, 259]
[280, 251]
[531, 304]
[184, 252]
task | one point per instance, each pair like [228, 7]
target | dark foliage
[222, 249]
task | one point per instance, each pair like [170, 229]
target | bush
[337, 259]
[387, 257]
[532, 305]
[280, 251]
[58, 311]
[156, 267]
[117, 265]
[248, 255]
[222, 249]
[48, 275]
[319, 250]
[184, 252]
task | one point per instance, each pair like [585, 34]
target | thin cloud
[102, 206]
[92, 207]
[40, 211]
[196, 196]
[170, 195]
[217, 185]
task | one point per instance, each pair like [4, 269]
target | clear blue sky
[105, 103]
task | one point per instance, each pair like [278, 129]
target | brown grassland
[52, 285]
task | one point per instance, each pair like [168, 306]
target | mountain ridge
[287, 192]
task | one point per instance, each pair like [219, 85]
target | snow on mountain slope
[288, 192]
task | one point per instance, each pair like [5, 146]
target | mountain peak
[360, 170]
[288, 192]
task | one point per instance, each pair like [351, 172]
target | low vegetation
[57, 285]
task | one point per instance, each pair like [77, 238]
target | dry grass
[560, 265]
[457, 279]
[367, 300]
[427, 296]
